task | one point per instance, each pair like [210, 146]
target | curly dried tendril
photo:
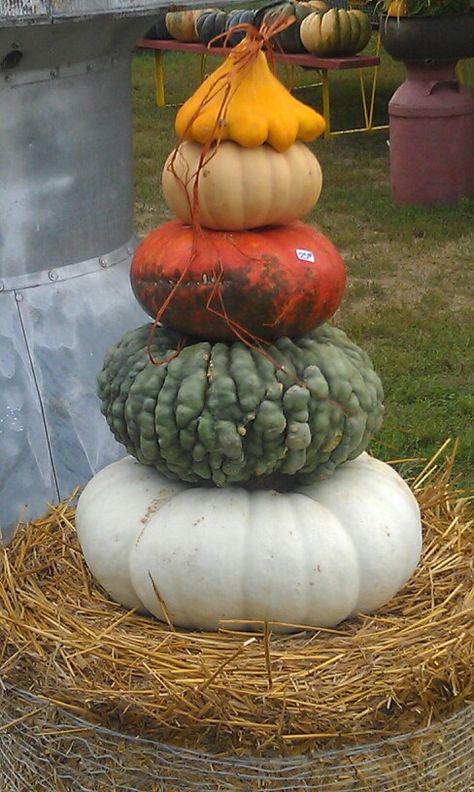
[243, 101]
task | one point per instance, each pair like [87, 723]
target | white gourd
[117, 503]
[317, 556]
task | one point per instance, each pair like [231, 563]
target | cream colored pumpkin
[241, 188]
[315, 556]
[181, 25]
[336, 32]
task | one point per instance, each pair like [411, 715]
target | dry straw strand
[245, 691]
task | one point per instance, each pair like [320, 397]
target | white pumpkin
[314, 557]
[116, 505]
[241, 188]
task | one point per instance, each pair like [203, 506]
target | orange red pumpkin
[280, 280]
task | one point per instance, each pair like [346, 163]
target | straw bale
[245, 692]
[46, 748]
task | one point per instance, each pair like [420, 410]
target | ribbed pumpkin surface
[223, 413]
[266, 188]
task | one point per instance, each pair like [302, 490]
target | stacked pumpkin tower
[245, 416]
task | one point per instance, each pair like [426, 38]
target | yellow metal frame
[367, 102]
[159, 69]
[159, 78]
[367, 99]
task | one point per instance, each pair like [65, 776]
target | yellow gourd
[243, 101]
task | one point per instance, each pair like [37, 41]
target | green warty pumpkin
[223, 413]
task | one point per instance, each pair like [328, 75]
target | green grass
[410, 296]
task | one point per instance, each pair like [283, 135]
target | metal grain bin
[66, 236]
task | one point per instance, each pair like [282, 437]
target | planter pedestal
[431, 136]
[431, 114]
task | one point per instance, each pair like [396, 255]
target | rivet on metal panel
[18, 296]
[11, 60]
[103, 263]
[53, 275]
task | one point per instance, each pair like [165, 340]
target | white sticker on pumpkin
[304, 255]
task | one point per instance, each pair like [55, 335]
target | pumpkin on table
[158, 31]
[289, 39]
[181, 25]
[210, 24]
[336, 33]
[235, 17]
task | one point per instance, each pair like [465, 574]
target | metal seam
[40, 400]
[15, 78]
[68, 271]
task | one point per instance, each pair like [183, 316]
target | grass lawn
[410, 295]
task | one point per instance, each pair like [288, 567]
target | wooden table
[323, 65]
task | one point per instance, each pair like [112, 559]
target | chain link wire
[44, 748]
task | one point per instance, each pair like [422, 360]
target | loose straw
[250, 690]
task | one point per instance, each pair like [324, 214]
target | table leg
[203, 67]
[326, 103]
[159, 79]
[375, 74]
[373, 92]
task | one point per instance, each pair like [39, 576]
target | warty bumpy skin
[223, 413]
